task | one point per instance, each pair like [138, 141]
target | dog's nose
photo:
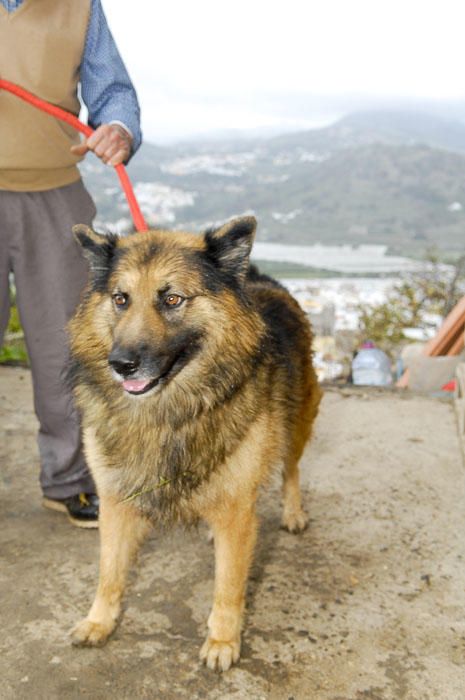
[124, 361]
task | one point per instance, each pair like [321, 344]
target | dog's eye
[120, 299]
[173, 300]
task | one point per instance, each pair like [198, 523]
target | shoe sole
[61, 508]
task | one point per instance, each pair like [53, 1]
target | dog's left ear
[229, 246]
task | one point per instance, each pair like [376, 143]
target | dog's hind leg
[234, 529]
[294, 518]
[122, 531]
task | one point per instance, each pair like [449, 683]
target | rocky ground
[367, 604]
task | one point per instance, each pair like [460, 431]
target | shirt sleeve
[106, 87]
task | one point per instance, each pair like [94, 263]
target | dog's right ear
[98, 249]
[95, 245]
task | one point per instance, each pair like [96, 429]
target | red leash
[65, 116]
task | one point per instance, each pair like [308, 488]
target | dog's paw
[91, 634]
[294, 521]
[220, 655]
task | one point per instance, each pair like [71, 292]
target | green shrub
[14, 350]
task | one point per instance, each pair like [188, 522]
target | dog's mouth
[138, 387]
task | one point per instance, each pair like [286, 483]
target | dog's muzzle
[127, 367]
[125, 362]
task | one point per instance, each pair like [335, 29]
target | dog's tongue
[135, 384]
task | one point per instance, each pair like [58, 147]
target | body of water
[340, 258]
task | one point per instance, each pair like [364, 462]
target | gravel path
[367, 604]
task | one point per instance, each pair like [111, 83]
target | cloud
[189, 59]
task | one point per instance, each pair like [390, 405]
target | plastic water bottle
[371, 366]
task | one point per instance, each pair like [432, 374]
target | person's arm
[108, 94]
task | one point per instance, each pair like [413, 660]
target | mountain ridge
[390, 177]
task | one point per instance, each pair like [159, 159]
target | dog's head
[163, 303]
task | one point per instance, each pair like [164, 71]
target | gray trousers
[37, 245]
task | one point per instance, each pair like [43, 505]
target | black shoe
[81, 509]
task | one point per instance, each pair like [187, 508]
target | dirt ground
[367, 604]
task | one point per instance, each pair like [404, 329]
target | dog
[193, 374]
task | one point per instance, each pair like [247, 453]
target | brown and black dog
[194, 377]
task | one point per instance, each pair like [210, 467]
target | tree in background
[420, 300]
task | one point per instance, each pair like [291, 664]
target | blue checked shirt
[106, 88]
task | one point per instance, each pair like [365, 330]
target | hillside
[396, 178]
[395, 127]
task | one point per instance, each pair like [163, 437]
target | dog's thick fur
[193, 374]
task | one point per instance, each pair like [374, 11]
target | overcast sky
[211, 64]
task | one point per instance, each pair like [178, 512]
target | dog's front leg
[235, 532]
[122, 530]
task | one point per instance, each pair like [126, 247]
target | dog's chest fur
[160, 465]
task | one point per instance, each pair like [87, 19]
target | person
[51, 48]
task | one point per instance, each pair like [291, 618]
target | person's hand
[110, 142]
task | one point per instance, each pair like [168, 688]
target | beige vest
[41, 47]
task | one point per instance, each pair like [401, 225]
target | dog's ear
[229, 246]
[96, 246]
[98, 249]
